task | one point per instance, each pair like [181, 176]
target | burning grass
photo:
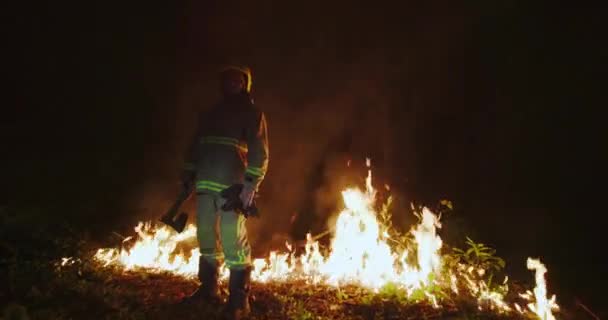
[82, 287]
[86, 291]
[366, 254]
[369, 270]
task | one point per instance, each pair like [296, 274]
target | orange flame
[359, 254]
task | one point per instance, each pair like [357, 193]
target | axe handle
[181, 198]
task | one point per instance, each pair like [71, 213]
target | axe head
[179, 223]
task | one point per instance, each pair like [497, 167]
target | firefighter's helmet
[242, 69]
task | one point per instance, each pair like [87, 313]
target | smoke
[332, 97]
[318, 124]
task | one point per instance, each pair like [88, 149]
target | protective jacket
[230, 146]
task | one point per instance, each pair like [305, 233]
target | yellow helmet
[242, 69]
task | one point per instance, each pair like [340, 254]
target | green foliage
[478, 255]
[294, 308]
[301, 312]
[341, 295]
[393, 292]
[368, 299]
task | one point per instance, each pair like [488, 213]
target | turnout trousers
[222, 235]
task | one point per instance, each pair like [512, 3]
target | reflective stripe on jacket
[230, 146]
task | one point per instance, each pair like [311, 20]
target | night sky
[488, 104]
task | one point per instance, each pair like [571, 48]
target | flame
[359, 254]
[542, 306]
[155, 250]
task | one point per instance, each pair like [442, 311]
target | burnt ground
[146, 296]
[34, 285]
[116, 295]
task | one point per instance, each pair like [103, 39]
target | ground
[80, 291]
[35, 285]
[153, 296]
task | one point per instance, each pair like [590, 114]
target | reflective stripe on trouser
[222, 234]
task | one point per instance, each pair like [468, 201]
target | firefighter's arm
[257, 155]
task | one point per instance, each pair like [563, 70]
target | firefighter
[230, 147]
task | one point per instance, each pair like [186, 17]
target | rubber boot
[208, 291]
[239, 285]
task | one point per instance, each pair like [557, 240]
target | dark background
[488, 104]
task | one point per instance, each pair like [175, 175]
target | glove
[247, 195]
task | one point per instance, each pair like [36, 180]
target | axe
[171, 218]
